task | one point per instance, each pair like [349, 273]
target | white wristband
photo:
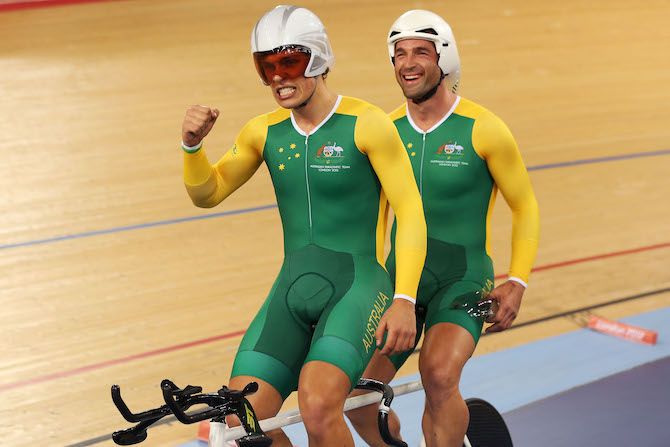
[518, 280]
[400, 296]
[191, 149]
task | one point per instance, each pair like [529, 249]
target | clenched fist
[198, 121]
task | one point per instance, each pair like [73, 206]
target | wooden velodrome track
[98, 282]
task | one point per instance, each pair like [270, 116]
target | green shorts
[324, 305]
[450, 278]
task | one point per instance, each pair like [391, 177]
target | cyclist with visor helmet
[335, 163]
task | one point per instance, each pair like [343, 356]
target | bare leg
[266, 403]
[322, 390]
[364, 419]
[446, 349]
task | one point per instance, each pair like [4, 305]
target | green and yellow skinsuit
[459, 165]
[332, 188]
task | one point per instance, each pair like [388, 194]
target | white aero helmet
[286, 26]
[426, 25]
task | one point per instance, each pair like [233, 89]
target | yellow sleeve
[208, 185]
[495, 144]
[377, 137]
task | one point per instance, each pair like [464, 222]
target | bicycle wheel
[487, 427]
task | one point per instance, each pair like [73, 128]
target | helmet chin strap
[430, 93]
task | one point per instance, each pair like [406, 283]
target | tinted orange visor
[288, 62]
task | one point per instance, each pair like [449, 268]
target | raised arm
[207, 184]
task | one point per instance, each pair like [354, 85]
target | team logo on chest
[330, 151]
[450, 154]
[330, 157]
[450, 149]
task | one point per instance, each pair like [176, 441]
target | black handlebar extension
[178, 401]
[129, 415]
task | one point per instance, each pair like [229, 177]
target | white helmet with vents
[426, 25]
[290, 26]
